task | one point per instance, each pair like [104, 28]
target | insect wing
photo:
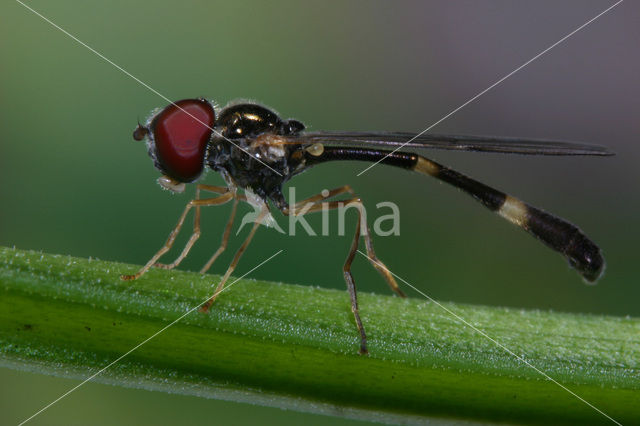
[504, 145]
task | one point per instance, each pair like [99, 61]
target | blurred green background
[74, 182]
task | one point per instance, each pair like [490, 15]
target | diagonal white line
[500, 345]
[145, 341]
[146, 85]
[494, 84]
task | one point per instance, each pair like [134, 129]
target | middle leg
[205, 307]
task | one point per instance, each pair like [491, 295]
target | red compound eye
[181, 137]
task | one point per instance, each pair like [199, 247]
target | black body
[562, 236]
[237, 127]
[253, 148]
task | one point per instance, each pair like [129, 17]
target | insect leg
[205, 307]
[225, 238]
[315, 198]
[364, 229]
[351, 287]
[196, 226]
[169, 243]
[371, 255]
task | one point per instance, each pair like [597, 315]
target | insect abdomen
[562, 236]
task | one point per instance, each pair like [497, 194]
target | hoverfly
[257, 151]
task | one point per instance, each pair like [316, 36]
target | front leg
[197, 203]
[196, 226]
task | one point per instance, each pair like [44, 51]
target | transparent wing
[452, 142]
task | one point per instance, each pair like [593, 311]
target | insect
[257, 151]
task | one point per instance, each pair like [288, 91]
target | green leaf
[296, 347]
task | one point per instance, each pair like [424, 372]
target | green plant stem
[297, 347]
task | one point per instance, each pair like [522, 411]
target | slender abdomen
[562, 236]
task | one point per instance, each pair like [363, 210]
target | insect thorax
[248, 148]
